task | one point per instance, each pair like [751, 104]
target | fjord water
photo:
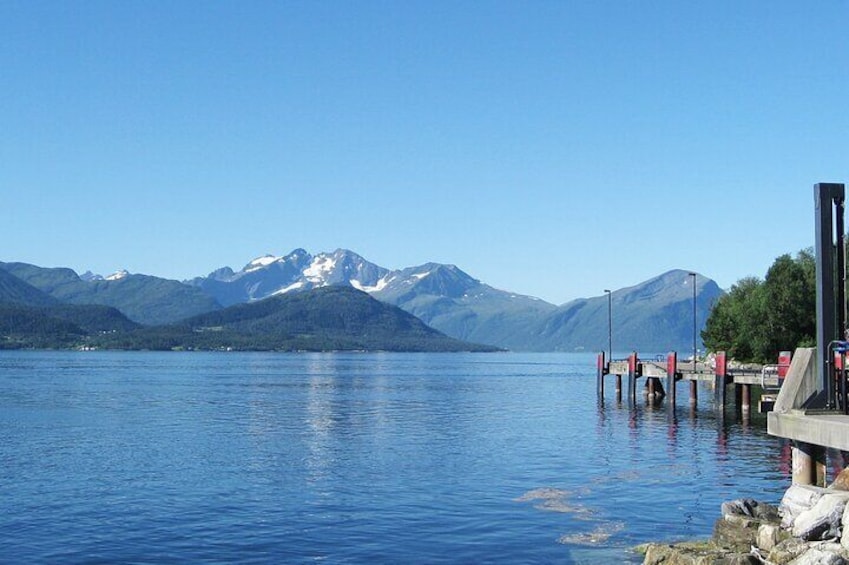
[110, 457]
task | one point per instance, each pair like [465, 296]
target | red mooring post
[784, 359]
[719, 380]
[632, 378]
[671, 373]
[601, 370]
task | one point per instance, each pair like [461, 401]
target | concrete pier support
[808, 464]
[618, 388]
[746, 398]
[694, 393]
[654, 391]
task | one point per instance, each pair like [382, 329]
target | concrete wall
[801, 383]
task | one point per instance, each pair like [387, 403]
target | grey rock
[787, 550]
[816, 556]
[769, 535]
[734, 535]
[750, 508]
[694, 554]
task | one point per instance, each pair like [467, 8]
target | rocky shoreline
[810, 526]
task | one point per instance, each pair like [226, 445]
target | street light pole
[694, 320]
[609, 324]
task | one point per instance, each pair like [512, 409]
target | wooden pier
[661, 376]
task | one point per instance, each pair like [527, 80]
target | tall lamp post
[694, 320]
[609, 325]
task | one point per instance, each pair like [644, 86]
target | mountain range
[653, 316]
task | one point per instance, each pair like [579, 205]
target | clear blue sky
[548, 148]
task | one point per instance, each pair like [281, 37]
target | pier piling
[719, 380]
[671, 375]
[746, 395]
[808, 464]
[601, 367]
[632, 378]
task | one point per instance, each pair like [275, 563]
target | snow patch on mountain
[118, 275]
[295, 286]
[260, 262]
[381, 284]
[320, 269]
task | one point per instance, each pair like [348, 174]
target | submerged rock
[557, 500]
[601, 534]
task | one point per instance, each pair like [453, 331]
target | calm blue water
[354, 458]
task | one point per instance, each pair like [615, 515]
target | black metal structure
[831, 280]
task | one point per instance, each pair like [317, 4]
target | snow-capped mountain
[443, 296]
[88, 276]
[271, 275]
[654, 314]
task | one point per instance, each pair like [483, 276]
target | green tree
[757, 319]
[790, 289]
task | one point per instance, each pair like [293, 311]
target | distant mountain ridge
[30, 317]
[654, 315]
[142, 298]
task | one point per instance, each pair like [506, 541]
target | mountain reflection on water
[355, 457]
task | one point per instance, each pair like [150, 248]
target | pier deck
[667, 372]
[828, 430]
[701, 372]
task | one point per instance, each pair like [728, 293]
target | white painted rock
[824, 520]
[796, 500]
